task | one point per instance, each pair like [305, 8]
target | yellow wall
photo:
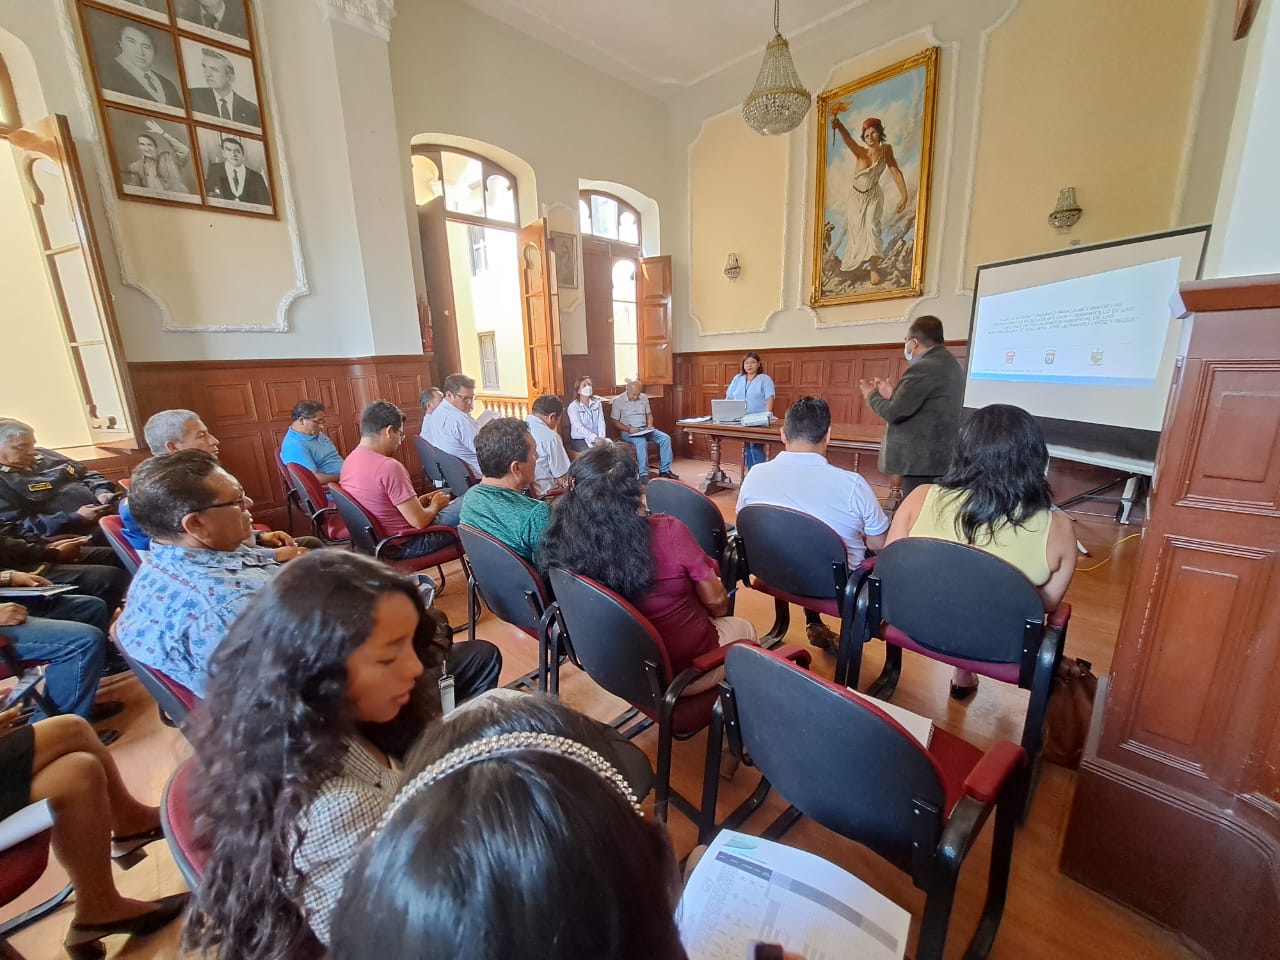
[1093, 94]
[737, 190]
[38, 384]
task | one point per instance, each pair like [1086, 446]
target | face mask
[586, 390]
[907, 353]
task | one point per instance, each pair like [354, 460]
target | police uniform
[45, 496]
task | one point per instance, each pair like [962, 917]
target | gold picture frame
[865, 247]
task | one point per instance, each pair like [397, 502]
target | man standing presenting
[801, 478]
[922, 411]
[307, 445]
[634, 417]
[453, 430]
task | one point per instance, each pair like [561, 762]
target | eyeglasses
[239, 502]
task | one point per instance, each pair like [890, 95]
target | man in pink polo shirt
[381, 484]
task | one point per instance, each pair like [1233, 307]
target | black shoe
[668, 474]
[84, 940]
[105, 710]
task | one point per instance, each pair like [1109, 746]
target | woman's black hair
[999, 471]
[596, 528]
[272, 730]
[526, 856]
[751, 355]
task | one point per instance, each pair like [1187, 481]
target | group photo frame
[874, 160]
[178, 87]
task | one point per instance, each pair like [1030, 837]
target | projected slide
[1105, 329]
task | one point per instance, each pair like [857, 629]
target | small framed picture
[134, 61]
[565, 248]
[221, 86]
[236, 174]
[157, 10]
[152, 157]
[223, 20]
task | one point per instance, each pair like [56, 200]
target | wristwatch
[6, 578]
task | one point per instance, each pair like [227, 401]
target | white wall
[457, 71]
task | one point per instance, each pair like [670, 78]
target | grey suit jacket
[923, 416]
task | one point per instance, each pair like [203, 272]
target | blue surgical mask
[906, 351]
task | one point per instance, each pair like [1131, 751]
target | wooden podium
[1177, 807]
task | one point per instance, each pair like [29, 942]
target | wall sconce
[732, 269]
[1067, 213]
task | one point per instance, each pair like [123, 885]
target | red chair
[22, 864]
[369, 537]
[179, 824]
[112, 528]
[978, 613]
[325, 522]
[291, 497]
[919, 807]
[173, 699]
[621, 651]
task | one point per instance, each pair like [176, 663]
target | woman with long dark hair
[317, 691]
[517, 834]
[754, 386]
[995, 496]
[601, 529]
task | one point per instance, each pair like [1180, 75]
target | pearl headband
[504, 745]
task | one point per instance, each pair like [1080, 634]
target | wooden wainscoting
[246, 403]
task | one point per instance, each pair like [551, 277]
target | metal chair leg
[781, 623]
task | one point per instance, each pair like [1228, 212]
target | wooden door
[73, 264]
[597, 292]
[447, 357]
[653, 320]
[540, 309]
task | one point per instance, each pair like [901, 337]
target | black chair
[369, 537]
[796, 558]
[621, 651]
[513, 590]
[431, 474]
[700, 514]
[920, 808]
[962, 606]
[458, 475]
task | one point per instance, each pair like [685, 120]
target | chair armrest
[797, 655]
[988, 777]
[1061, 617]
[434, 528]
[713, 659]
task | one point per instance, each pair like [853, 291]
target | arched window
[9, 118]
[608, 217]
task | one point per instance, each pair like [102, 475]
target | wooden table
[861, 439]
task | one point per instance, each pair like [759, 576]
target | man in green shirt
[498, 504]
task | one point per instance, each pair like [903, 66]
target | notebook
[919, 727]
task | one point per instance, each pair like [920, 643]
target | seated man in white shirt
[802, 479]
[428, 400]
[451, 428]
[553, 461]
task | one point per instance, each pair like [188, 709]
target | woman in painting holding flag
[865, 208]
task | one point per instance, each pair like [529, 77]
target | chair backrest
[311, 493]
[289, 491]
[174, 699]
[698, 512]
[959, 601]
[457, 474]
[792, 551]
[612, 640]
[505, 579]
[112, 528]
[866, 778]
[24, 859]
[427, 456]
[362, 527]
[179, 823]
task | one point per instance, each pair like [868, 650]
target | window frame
[488, 168]
[584, 196]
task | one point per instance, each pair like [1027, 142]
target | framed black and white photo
[236, 174]
[134, 61]
[152, 156]
[221, 87]
[151, 9]
[223, 20]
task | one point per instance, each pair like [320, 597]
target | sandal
[123, 846]
[84, 940]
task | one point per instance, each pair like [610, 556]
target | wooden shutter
[653, 319]
[540, 307]
[72, 262]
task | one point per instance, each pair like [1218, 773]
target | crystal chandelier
[778, 101]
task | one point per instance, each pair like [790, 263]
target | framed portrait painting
[565, 247]
[874, 159]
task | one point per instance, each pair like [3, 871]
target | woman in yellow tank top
[995, 496]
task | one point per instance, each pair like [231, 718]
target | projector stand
[1135, 485]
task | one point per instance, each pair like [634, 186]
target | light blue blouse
[755, 393]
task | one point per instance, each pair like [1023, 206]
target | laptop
[727, 411]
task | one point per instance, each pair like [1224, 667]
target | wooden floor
[1048, 915]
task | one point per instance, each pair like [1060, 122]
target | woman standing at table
[756, 387]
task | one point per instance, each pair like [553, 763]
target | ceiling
[661, 46]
